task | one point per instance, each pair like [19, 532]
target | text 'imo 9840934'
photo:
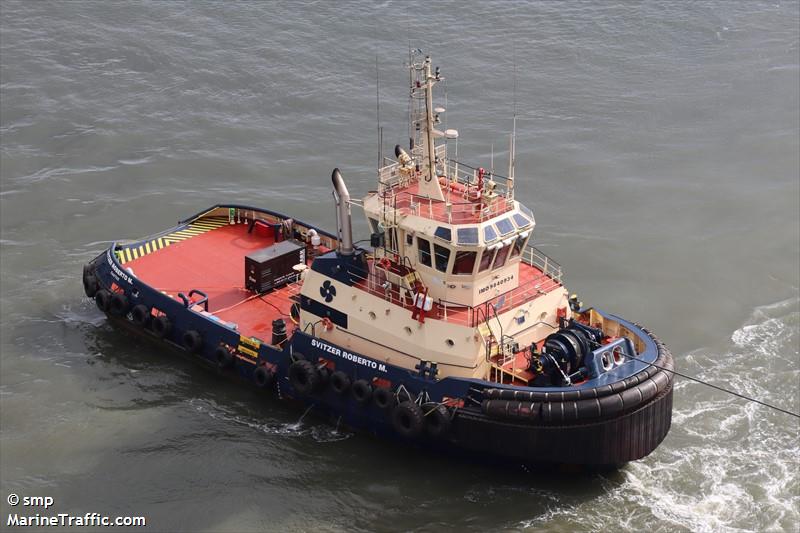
[449, 332]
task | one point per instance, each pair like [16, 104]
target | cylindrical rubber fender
[437, 419]
[616, 399]
[361, 391]
[384, 398]
[304, 377]
[664, 359]
[140, 314]
[339, 382]
[223, 356]
[511, 409]
[262, 377]
[161, 326]
[192, 341]
[103, 300]
[90, 284]
[119, 304]
[408, 419]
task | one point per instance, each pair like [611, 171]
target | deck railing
[464, 202]
[548, 278]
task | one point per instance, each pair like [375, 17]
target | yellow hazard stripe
[251, 342]
[247, 351]
[246, 359]
[193, 229]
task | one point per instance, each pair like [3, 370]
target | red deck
[213, 262]
[464, 208]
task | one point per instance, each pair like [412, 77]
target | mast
[430, 183]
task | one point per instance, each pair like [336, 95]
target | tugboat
[450, 332]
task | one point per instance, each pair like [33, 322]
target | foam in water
[727, 464]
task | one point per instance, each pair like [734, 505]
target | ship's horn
[343, 224]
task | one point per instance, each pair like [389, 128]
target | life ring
[192, 341]
[437, 419]
[223, 356]
[339, 382]
[140, 314]
[119, 304]
[303, 377]
[262, 377]
[161, 326]
[383, 398]
[362, 391]
[408, 419]
[103, 300]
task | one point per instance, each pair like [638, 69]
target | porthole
[407, 330]
[372, 315]
[450, 343]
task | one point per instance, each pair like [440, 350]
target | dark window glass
[409, 239]
[489, 234]
[441, 256]
[465, 262]
[444, 233]
[504, 226]
[519, 244]
[424, 251]
[468, 236]
[502, 254]
[486, 260]
[521, 221]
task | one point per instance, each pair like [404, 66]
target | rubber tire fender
[119, 304]
[90, 285]
[339, 382]
[222, 356]
[103, 300]
[384, 398]
[192, 341]
[161, 326]
[361, 391]
[140, 315]
[262, 377]
[408, 420]
[437, 419]
[304, 377]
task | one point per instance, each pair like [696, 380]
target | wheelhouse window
[424, 249]
[441, 256]
[504, 226]
[443, 233]
[489, 234]
[373, 225]
[519, 245]
[486, 259]
[464, 262]
[500, 258]
[468, 236]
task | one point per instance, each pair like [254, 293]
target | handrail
[187, 300]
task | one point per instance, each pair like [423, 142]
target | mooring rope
[697, 380]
